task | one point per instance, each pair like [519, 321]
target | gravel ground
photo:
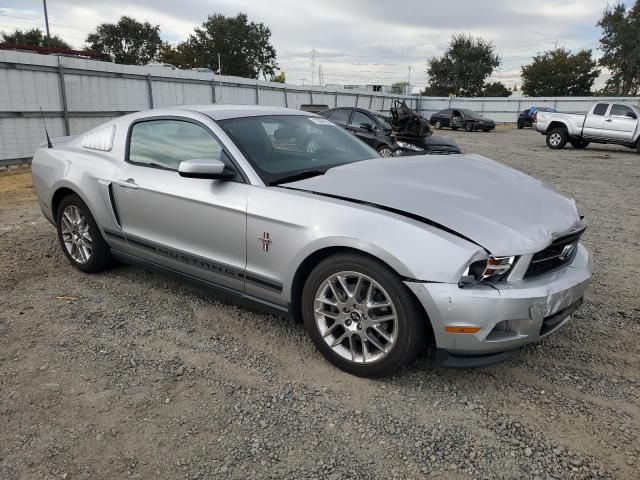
[127, 374]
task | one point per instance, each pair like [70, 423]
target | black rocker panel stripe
[198, 262]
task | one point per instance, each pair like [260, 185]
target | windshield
[282, 146]
[383, 120]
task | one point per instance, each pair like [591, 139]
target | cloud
[356, 41]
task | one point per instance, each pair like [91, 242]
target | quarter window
[600, 109]
[166, 143]
[622, 111]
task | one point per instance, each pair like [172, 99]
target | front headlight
[409, 146]
[490, 269]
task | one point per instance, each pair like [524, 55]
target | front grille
[561, 252]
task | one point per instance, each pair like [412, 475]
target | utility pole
[219, 66]
[46, 22]
[408, 82]
[313, 64]
[320, 75]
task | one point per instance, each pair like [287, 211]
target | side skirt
[229, 294]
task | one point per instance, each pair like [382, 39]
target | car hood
[505, 211]
[482, 119]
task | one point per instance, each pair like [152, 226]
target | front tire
[557, 138]
[437, 125]
[385, 151]
[80, 237]
[361, 316]
[520, 125]
[579, 143]
[468, 127]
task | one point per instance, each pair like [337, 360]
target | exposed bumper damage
[509, 316]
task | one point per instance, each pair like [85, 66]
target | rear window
[600, 109]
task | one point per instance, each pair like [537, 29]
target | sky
[355, 41]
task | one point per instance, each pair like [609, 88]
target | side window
[166, 143]
[340, 115]
[359, 118]
[600, 109]
[622, 111]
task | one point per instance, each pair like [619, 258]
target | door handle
[128, 183]
[608, 120]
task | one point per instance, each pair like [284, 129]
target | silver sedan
[285, 210]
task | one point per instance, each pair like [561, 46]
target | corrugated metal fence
[77, 95]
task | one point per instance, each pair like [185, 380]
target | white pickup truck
[606, 122]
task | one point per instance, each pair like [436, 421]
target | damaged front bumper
[508, 315]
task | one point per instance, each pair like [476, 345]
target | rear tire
[520, 125]
[454, 128]
[557, 138]
[80, 237]
[344, 328]
[575, 143]
[468, 127]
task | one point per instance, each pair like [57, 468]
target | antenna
[49, 144]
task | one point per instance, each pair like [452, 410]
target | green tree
[463, 68]
[178, 55]
[399, 87]
[279, 78]
[244, 47]
[496, 89]
[620, 52]
[33, 37]
[560, 73]
[128, 41]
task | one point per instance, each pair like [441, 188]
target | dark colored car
[374, 128]
[456, 118]
[527, 117]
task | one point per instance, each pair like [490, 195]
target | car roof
[223, 112]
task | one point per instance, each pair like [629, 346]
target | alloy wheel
[438, 125]
[385, 152]
[555, 139]
[75, 234]
[355, 317]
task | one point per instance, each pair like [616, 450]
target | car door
[594, 121]
[363, 127]
[620, 123]
[445, 117]
[191, 225]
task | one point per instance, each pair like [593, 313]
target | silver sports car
[284, 209]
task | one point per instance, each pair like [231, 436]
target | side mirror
[366, 126]
[205, 168]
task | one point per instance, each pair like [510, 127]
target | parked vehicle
[527, 116]
[606, 122]
[376, 130]
[287, 211]
[456, 118]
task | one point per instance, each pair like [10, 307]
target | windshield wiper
[298, 176]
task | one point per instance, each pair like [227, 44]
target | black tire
[385, 151]
[455, 128]
[437, 125]
[638, 146]
[520, 125]
[486, 129]
[100, 255]
[411, 319]
[468, 127]
[557, 138]
[576, 143]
